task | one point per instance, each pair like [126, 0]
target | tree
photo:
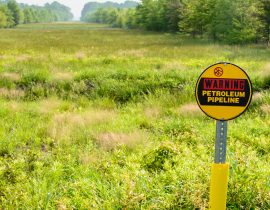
[7, 18]
[14, 10]
[173, 14]
[196, 16]
[265, 18]
[150, 15]
[131, 19]
[234, 21]
[3, 19]
[92, 7]
[28, 15]
[230, 21]
[62, 12]
[245, 22]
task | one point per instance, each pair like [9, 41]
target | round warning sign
[223, 91]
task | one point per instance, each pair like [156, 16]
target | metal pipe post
[221, 141]
[220, 170]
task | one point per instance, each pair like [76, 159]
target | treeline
[231, 21]
[123, 18]
[91, 7]
[12, 13]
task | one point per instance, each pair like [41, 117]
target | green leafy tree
[3, 19]
[8, 18]
[245, 22]
[15, 11]
[28, 16]
[131, 18]
[92, 7]
[195, 17]
[58, 11]
[234, 21]
[221, 21]
[264, 7]
[173, 14]
[230, 21]
[149, 15]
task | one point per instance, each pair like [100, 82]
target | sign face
[223, 91]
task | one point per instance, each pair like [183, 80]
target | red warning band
[223, 84]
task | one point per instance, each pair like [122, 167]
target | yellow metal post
[219, 186]
[220, 170]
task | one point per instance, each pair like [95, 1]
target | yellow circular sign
[223, 91]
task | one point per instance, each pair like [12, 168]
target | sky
[75, 5]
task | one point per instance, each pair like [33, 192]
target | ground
[101, 118]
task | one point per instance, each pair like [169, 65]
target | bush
[155, 160]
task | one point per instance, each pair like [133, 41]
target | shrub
[155, 160]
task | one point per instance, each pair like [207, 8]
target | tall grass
[95, 118]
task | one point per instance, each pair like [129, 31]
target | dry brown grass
[110, 141]
[257, 96]
[10, 76]
[87, 158]
[22, 58]
[152, 112]
[61, 205]
[11, 93]
[66, 76]
[80, 55]
[174, 65]
[49, 105]
[139, 53]
[266, 108]
[61, 74]
[265, 71]
[90, 158]
[64, 124]
[267, 67]
[190, 109]
[14, 106]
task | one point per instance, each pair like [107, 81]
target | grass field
[99, 118]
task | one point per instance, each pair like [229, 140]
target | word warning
[220, 92]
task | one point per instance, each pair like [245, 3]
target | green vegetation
[12, 14]
[100, 118]
[91, 7]
[229, 21]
